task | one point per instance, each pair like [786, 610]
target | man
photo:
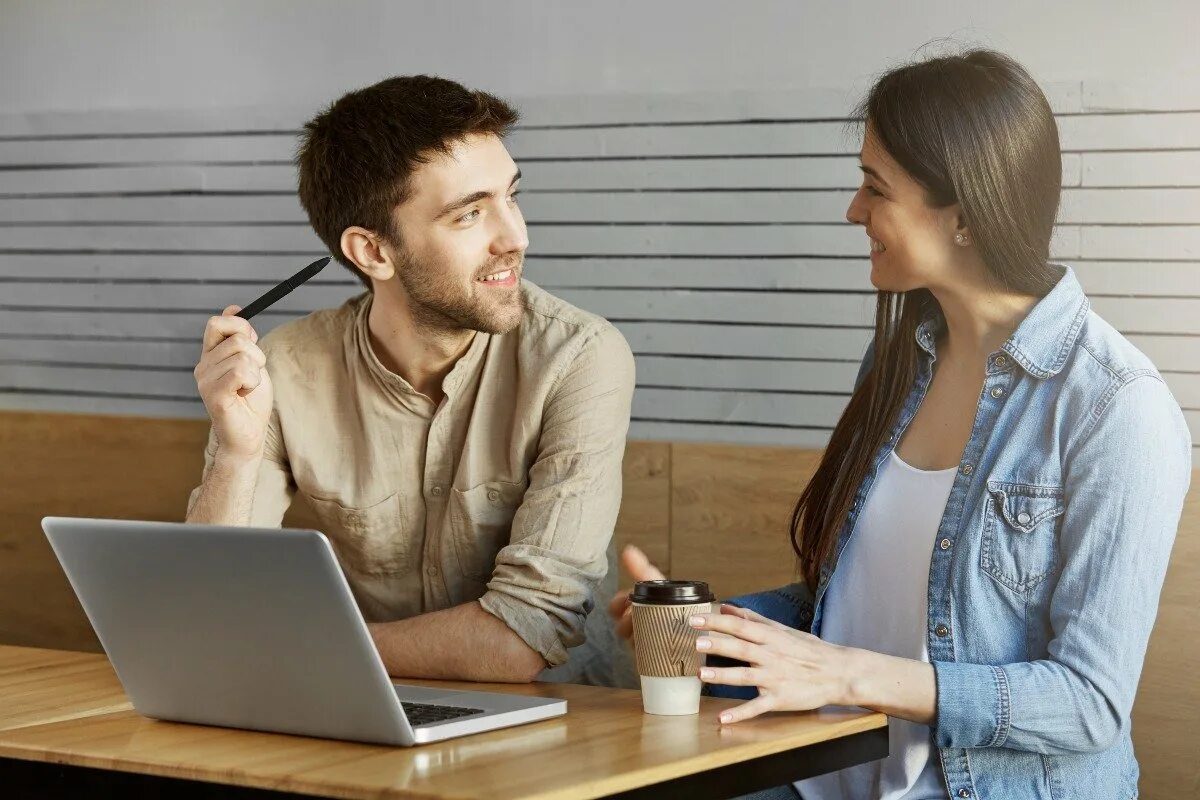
[458, 431]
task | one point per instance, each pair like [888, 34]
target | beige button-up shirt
[506, 492]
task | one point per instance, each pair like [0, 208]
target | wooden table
[68, 730]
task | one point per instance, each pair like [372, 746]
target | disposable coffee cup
[665, 644]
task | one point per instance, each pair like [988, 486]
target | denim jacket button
[942, 631]
[967, 469]
[944, 544]
[1023, 518]
[997, 392]
[964, 792]
[1001, 361]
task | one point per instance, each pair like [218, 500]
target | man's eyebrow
[473, 197]
[874, 175]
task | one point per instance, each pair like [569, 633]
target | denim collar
[1043, 341]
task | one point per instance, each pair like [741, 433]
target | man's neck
[420, 353]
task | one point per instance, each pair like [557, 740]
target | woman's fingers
[756, 632]
[759, 705]
[730, 647]
[730, 676]
[753, 616]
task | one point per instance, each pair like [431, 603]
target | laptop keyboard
[423, 714]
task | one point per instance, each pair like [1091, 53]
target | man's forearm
[460, 643]
[226, 496]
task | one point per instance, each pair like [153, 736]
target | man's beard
[438, 301]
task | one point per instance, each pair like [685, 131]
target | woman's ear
[962, 233]
[368, 251]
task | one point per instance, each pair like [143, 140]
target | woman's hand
[793, 670]
[620, 608]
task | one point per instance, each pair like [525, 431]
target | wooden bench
[690, 506]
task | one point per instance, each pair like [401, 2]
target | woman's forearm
[899, 687]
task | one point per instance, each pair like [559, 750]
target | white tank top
[877, 599]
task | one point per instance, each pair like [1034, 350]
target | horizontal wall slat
[1176, 242]
[848, 274]
[1141, 169]
[723, 173]
[700, 405]
[752, 240]
[1129, 131]
[1157, 206]
[1077, 132]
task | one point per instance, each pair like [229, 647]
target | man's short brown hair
[355, 159]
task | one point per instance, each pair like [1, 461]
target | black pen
[274, 295]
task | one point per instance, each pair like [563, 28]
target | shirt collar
[1043, 341]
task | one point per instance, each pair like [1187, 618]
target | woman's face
[912, 244]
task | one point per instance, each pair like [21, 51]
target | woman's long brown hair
[972, 129]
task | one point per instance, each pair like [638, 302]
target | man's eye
[470, 216]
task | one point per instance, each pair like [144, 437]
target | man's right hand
[234, 385]
[640, 569]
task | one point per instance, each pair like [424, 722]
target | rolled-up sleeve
[274, 489]
[543, 580]
[1124, 480]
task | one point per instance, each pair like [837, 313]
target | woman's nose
[856, 214]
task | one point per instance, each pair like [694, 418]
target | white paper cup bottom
[671, 696]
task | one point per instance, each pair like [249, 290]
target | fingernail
[726, 717]
[703, 644]
[696, 622]
[706, 674]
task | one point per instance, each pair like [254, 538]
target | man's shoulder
[320, 331]
[549, 317]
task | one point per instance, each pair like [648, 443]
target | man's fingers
[618, 604]
[638, 565]
[219, 328]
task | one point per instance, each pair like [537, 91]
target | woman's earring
[960, 240]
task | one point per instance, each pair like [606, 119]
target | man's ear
[367, 250]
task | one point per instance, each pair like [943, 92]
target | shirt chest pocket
[372, 540]
[1020, 533]
[481, 523]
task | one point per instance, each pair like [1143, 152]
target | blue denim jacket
[1051, 554]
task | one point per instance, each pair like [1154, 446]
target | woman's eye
[512, 198]
[871, 190]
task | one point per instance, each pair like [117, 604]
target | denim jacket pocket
[1020, 533]
[481, 523]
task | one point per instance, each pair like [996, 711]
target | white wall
[145, 181]
[60, 55]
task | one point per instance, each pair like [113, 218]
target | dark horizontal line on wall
[92, 365]
[140, 310]
[148, 193]
[563, 126]
[102, 165]
[728, 423]
[170, 281]
[106, 395]
[304, 224]
[318, 254]
[745, 389]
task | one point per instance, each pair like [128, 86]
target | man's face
[462, 238]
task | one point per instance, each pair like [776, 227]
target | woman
[988, 530]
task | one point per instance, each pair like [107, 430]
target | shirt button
[942, 631]
[436, 491]
[967, 469]
[431, 570]
[944, 544]
[493, 495]
[1001, 361]
[964, 792]
[997, 392]
[1023, 518]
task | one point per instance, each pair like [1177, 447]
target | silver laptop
[253, 628]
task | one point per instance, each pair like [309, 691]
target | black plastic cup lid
[671, 593]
